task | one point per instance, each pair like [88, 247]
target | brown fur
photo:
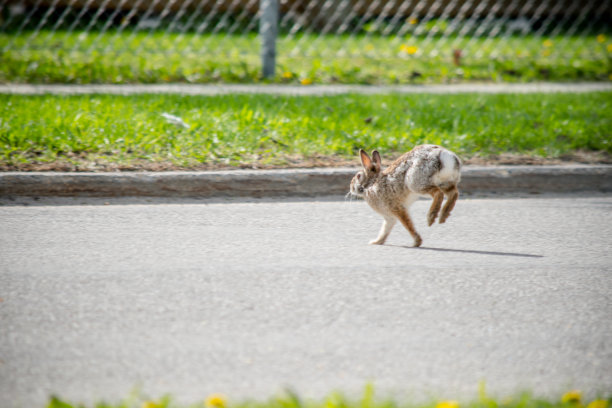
[437, 196]
[425, 170]
[402, 214]
[452, 193]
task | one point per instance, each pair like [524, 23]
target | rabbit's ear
[377, 160]
[366, 162]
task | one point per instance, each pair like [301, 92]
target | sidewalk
[293, 182]
[216, 89]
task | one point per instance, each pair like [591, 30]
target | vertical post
[268, 29]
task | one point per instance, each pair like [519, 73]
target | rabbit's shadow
[467, 251]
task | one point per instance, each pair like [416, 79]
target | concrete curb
[292, 182]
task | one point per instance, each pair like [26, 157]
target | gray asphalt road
[247, 298]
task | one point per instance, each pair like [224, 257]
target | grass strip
[158, 57]
[89, 132]
[368, 399]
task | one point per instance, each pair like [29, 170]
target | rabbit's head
[366, 177]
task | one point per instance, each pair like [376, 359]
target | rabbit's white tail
[450, 167]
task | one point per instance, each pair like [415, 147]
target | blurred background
[324, 41]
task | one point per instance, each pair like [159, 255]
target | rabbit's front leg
[402, 214]
[385, 230]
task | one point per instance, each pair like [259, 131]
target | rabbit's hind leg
[437, 196]
[451, 198]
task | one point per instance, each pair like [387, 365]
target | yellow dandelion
[287, 75]
[547, 43]
[150, 404]
[572, 397]
[413, 21]
[546, 53]
[409, 49]
[610, 77]
[601, 38]
[306, 81]
[609, 47]
[447, 404]
[216, 401]
[599, 404]
[369, 47]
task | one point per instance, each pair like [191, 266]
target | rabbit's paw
[417, 241]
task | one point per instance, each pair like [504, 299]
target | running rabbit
[425, 170]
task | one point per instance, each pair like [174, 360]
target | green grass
[265, 130]
[90, 57]
[368, 399]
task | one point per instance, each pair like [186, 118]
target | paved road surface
[247, 298]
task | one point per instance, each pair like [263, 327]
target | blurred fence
[364, 30]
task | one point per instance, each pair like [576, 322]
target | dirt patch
[84, 165]
[577, 157]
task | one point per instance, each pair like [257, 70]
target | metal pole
[268, 29]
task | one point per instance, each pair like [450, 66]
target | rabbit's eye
[359, 176]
